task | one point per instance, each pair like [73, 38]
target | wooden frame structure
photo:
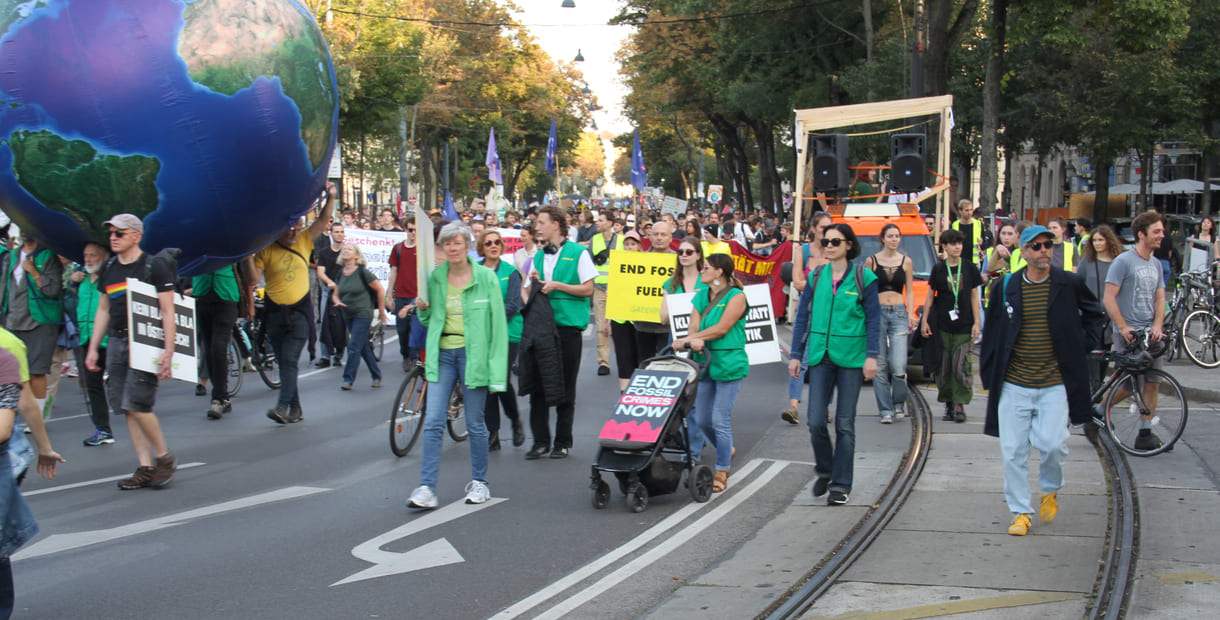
[813, 120]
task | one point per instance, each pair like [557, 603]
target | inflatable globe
[214, 120]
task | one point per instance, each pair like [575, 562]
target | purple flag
[493, 159]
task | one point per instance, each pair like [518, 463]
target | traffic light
[830, 173]
[907, 163]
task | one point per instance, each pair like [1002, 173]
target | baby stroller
[646, 443]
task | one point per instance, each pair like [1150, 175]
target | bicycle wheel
[407, 416]
[457, 415]
[265, 362]
[234, 363]
[1201, 338]
[377, 341]
[1123, 417]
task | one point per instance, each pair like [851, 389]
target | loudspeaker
[907, 165]
[829, 152]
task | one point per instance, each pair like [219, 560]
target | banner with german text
[752, 268]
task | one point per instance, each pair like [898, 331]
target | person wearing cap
[1041, 323]
[130, 391]
[284, 264]
[31, 301]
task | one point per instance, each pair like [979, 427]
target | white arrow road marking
[436, 553]
[65, 542]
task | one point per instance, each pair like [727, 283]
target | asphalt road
[308, 520]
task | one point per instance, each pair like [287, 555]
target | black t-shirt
[944, 302]
[112, 282]
[328, 259]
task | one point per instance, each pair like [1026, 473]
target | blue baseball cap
[1031, 233]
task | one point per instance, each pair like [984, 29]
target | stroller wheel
[700, 482]
[637, 498]
[601, 495]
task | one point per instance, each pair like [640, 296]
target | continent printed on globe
[227, 44]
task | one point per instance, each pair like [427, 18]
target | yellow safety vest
[597, 245]
[976, 235]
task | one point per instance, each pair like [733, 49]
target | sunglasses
[118, 234]
[1038, 245]
[491, 243]
[686, 252]
[411, 230]
[837, 241]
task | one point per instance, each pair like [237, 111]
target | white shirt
[585, 269]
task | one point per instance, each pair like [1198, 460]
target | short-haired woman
[358, 293]
[952, 311]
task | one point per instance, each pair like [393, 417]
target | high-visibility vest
[598, 244]
[976, 236]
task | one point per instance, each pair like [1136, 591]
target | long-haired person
[896, 292]
[718, 323]
[491, 249]
[812, 257]
[1098, 254]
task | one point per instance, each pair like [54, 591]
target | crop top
[890, 279]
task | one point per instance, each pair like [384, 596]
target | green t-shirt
[355, 294]
[729, 359]
[453, 336]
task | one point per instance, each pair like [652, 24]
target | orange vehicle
[867, 220]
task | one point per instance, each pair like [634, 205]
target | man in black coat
[1040, 326]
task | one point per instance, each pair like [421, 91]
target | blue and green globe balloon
[214, 120]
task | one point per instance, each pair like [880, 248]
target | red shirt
[407, 284]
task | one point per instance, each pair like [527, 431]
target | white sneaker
[900, 411]
[477, 492]
[422, 497]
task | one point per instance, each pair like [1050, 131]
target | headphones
[550, 248]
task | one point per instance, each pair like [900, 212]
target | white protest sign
[714, 192]
[147, 338]
[376, 246]
[672, 205]
[761, 344]
[425, 250]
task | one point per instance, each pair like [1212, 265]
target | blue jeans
[892, 360]
[452, 367]
[713, 419]
[358, 347]
[795, 385]
[403, 327]
[834, 461]
[1037, 416]
[288, 339]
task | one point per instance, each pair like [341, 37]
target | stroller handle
[707, 356]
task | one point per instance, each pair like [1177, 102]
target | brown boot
[163, 471]
[142, 478]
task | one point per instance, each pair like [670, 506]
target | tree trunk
[766, 163]
[988, 166]
[945, 31]
[1101, 200]
[1006, 199]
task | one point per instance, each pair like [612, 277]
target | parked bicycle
[1125, 409]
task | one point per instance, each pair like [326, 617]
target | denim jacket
[17, 524]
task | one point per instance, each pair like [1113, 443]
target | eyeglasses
[687, 252]
[837, 241]
[1038, 245]
[118, 234]
[491, 243]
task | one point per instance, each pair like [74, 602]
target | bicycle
[407, 416]
[1122, 416]
[377, 339]
[251, 347]
[1201, 338]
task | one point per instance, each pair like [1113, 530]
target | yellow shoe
[1050, 508]
[1020, 525]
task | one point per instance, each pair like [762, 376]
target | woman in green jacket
[467, 342]
[838, 333]
[718, 323]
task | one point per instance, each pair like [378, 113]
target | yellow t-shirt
[11, 343]
[719, 248]
[286, 273]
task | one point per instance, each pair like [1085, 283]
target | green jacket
[45, 302]
[485, 325]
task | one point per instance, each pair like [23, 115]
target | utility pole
[917, 51]
[446, 156]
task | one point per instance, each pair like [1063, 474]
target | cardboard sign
[147, 338]
[425, 250]
[634, 290]
[641, 412]
[761, 344]
[672, 205]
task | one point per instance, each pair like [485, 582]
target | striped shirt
[1033, 363]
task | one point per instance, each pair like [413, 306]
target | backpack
[367, 276]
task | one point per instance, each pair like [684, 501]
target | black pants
[624, 337]
[491, 410]
[569, 351]
[94, 384]
[647, 344]
[215, 319]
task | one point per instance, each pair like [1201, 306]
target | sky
[562, 32]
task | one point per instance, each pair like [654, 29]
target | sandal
[720, 482]
[790, 415]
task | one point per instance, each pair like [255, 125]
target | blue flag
[493, 159]
[639, 174]
[450, 213]
[552, 145]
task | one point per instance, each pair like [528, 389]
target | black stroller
[646, 443]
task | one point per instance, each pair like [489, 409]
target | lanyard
[955, 283]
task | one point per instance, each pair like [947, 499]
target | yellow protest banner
[634, 290]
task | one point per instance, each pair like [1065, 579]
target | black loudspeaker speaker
[829, 152]
[907, 165]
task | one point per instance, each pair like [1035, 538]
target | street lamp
[579, 57]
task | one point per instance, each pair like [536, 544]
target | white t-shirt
[585, 269]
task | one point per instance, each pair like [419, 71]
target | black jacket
[1075, 317]
[540, 365]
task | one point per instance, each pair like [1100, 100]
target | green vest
[598, 243]
[223, 281]
[729, 359]
[504, 271]
[570, 311]
[836, 321]
[45, 310]
[86, 311]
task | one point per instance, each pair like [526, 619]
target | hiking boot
[1147, 442]
[477, 492]
[139, 480]
[1050, 508]
[422, 497]
[99, 438]
[1020, 525]
[216, 411]
[295, 414]
[163, 470]
[278, 414]
[790, 415]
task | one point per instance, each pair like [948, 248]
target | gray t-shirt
[1138, 281]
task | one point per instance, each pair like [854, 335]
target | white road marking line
[56, 543]
[612, 556]
[311, 373]
[671, 543]
[75, 485]
[435, 553]
[71, 417]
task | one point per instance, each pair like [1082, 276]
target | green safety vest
[730, 361]
[836, 320]
[598, 244]
[223, 281]
[504, 271]
[45, 310]
[570, 311]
